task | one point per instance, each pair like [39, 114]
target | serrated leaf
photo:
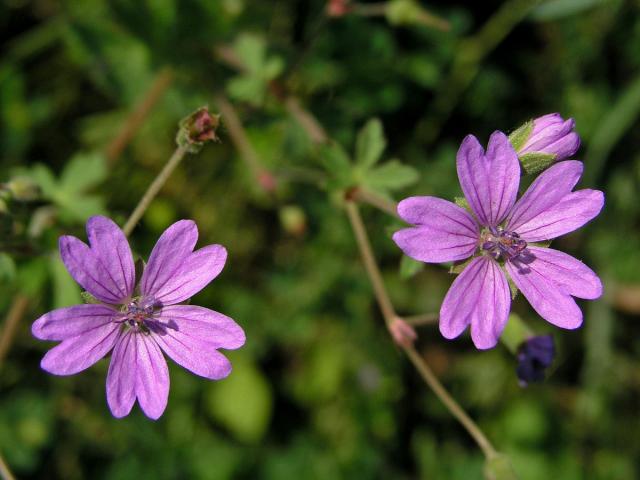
[535, 162]
[392, 175]
[409, 267]
[520, 135]
[338, 164]
[370, 144]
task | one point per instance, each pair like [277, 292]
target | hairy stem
[137, 116]
[390, 316]
[153, 189]
[424, 319]
[16, 312]
[5, 473]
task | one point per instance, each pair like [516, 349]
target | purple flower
[500, 236]
[535, 355]
[139, 323]
[552, 135]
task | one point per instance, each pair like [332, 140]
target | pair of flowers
[497, 234]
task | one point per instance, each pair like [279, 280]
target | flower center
[502, 244]
[138, 311]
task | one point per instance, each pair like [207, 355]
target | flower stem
[390, 316]
[153, 189]
[5, 472]
[420, 320]
[16, 312]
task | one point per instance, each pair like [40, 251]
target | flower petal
[572, 212]
[169, 254]
[570, 274]
[190, 335]
[546, 191]
[152, 377]
[121, 378]
[551, 301]
[137, 369]
[479, 297]
[68, 322]
[80, 352]
[106, 268]
[112, 248]
[196, 272]
[444, 231]
[489, 181]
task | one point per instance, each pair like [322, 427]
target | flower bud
[545, 140]
[403, 333]
[197, 129]
[535, 355]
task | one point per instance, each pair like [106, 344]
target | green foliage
[319, 391]
[363, 171]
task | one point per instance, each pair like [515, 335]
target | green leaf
[409, 267]
[338, 164]
[83, 171]
[243, 401]
[7, 268]
[535, 162]
[520, 135]
[392, 175]
[499, 467]
[65, 290]
[370, 143]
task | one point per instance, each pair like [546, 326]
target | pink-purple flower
[138, 323]
[552, 135]
[499, 237]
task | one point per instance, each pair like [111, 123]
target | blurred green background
[90, 95]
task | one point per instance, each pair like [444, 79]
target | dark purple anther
[534, 356]
[504, 244]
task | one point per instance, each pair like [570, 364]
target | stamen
[502, 244]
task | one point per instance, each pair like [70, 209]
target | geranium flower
[139, 323]
[499, 238]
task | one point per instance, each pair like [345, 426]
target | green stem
[153, 189]
[16, 312]
[420, 320]
[388, 312]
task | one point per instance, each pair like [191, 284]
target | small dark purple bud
[534, 356]
[197, 129]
